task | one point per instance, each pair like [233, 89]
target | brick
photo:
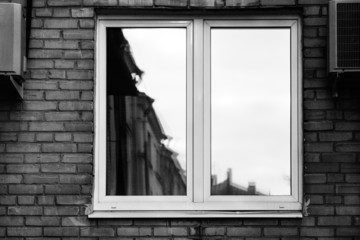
[56, 74]
[242, 3]
[333, 199]
[352, 178]
[45, 34]
[56, 3]
[44, 137]
[335, 136]
[41, 179]
[42, 158]
[335, 177]
[316, 232]
[62, 116]
[42, 221]
[33, 95]
[75, 179]
[314, 44]
[315, 178]
[39, 53]
[12, 126]
[97, 232]
[46, 200]
[100, 2]
[171, 3]
[6, 179]
[7, 200]
[321, 210]
[76, 85]
[61, 231]
[78, 34]
[334, 221]
[321, 167]
[82, 12]
[62, 189]
[208, 231]
[338, 157]
[350, 232]
[40, 85]
[26, 200]
[88, 95]
[347, 210]
[347, 188]
[350, 168]
[77, 158]
[63, 137]
[22, 147]
[85, 168]
[85, 148]
[39, 106]
[347, 126]
[79, 54]
[347, 147]
[87, 23]
[313, 2]
[73, 200]
[63, 64]
[318, 147]
[319, 189]
[85, 64]
[25, 189]
[280, 231]
[11, 158]
[202, 3]
[61, 44]
[25, 210]
[62, 95]
[58, 147]
[80, 75]
[58, 168]
[318, 126]
[46, 126]
[244, 231]
[79, 127]
[318, 105]
[43, 12]
[87, 44]
[75, 105]
[135, 3]
[277, 2]
[23, 168]
[312, 10]
[315, 21]
[24, 231]
[75, 221]
[11, 221]
[61, 12]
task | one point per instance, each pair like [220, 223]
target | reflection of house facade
[137, 161]
[228, 187]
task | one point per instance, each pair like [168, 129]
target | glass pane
[250, 111]
[146, 111]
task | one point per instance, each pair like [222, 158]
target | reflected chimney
[252, 188]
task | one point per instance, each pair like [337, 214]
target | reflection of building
[227, 187]
[137, 161]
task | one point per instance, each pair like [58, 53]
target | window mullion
[198, 173]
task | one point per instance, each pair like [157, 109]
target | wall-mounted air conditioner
[344, 36]
[12, 48]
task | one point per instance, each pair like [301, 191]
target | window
[198, 117]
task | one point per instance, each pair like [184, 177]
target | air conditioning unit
[344, 36]
[12, 48]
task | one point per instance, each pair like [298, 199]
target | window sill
[195, 214]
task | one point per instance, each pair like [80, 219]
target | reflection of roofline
[153, 118]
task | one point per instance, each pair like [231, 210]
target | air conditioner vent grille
[348, 35]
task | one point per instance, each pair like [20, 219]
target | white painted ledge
[195, 214]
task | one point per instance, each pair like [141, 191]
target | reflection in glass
[250, 111]
[146, 111]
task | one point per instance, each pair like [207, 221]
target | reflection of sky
[250, 72]
[250, 99]
[161, 54]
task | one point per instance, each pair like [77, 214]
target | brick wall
[46, 140]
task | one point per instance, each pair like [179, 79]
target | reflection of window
[198, 117]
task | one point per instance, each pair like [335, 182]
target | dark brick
[11, 221]
[73, 200]
[334, 221]
[25, 210]
[243, 231]
[61, 231]
[24, 231]
[97, 232]
[42, 221]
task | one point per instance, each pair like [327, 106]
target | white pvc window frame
[198, 202]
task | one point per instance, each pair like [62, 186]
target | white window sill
[195, 214]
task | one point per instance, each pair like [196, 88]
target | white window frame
[198, 202]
